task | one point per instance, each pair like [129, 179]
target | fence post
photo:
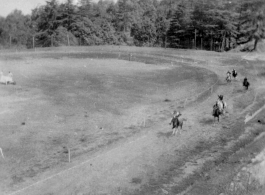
[69, 154]
[33, 42]
[10, 40]
[68, 41]
[2, 153]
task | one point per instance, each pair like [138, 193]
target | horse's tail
[181, 122]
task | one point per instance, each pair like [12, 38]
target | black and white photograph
[132, 97]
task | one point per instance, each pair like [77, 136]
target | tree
[47, 23]
[16, 28]
[207, 24]
[180, 31]
[252, 21]
[144, 24]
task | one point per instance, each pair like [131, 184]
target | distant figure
[228, 76]
[234, 73]
[6, 79]
[221, 104]
[246, 84]
[176, 122]
[10, 74]
[216, 111]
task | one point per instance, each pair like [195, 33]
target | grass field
[99, 99]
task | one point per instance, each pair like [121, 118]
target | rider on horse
[246, 83]
[175, 116]
[174, 119]
[215, 107]
[228, 76]
[216, 111]
[234, 73]
[176, 122]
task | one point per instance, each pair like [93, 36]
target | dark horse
[246, 84]
[216, 111]
[234, 73]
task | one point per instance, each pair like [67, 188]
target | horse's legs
[180, 129]
[177, 129]
[173, 131]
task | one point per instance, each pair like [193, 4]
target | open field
[111, 109]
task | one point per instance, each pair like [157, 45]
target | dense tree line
[205, 24]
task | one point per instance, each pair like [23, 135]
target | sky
[7, 6]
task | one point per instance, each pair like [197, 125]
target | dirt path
[153, 163]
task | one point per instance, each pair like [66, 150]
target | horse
[216, 112]
[234, 73]
[6, 79]
[228, 78]
[246, 84]
[176, 122]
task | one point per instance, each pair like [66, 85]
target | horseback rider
[175, 116]
[246, 83]
[176, 122]
[228, 76]
[234, 73]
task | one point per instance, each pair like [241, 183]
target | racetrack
[113, 114]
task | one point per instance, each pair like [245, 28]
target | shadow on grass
[207, 121]
[223, 83]
[239, 90]
[166, 134]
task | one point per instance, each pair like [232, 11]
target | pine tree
[252, 21]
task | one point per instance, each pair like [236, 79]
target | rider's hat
[176, 113]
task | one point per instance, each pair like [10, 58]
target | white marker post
[69, 155]
[2, 153]
[185, 102]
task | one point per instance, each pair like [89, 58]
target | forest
[216, 25]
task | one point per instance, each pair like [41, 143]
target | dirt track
[153, 161]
